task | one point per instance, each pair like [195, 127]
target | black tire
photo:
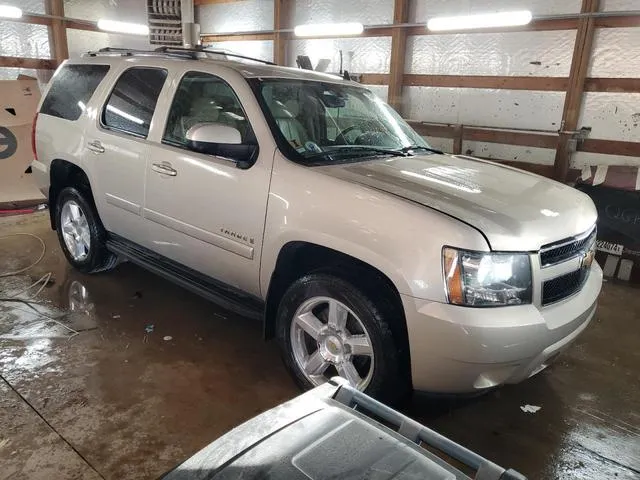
[391, 378]
[98, 259]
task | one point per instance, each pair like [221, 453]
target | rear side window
[133, 100]
[72, 89]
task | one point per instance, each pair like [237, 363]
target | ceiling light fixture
[488, 20]
[123, 27]
[328, 29]
[7, 11]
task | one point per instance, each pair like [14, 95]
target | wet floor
[123, 375]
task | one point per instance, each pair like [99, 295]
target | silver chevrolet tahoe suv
[302, 199]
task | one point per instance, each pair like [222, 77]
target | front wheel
[328, 326]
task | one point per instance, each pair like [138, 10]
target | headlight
[480, 279]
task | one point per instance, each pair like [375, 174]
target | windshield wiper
[420, 147]
[343, 151]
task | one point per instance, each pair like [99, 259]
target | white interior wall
[612, 116]
[242, 16]
[262, 49]
[380, 90]
[619, 5]
[422, 10]
[484, 107]
[81, 41]
[132, 11]
[545, 54]
[616, 52]
[367, 12]
[23, 40]
[359, 55]
[516, 153]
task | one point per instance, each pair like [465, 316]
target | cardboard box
[18, 102]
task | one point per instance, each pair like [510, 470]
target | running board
[218, 292]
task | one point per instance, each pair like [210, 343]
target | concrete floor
[116, 402]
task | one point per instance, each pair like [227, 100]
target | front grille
[565, 249]
[564, 286]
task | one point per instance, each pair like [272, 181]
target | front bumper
[462, 350]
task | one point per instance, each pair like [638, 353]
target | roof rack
[180, 52]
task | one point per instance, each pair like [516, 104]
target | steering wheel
[341, 135]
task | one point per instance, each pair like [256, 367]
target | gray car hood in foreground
[515, 210]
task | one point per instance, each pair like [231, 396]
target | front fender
[401, 239]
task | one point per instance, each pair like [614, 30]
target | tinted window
[204, 98]
[71, 90]
[133, 100]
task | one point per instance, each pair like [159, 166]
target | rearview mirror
[221, 141]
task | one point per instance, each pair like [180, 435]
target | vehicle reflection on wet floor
[91, 360]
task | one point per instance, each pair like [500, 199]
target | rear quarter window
[72, 89]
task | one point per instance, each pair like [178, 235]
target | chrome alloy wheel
[75, 230]
[328, 339]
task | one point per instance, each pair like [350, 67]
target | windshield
[329, 123]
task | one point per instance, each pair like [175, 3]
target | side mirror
[221, 141]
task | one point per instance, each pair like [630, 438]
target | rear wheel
[81, 234]
[327, 326]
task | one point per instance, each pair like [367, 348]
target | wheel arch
[63, 173]
[298, 258]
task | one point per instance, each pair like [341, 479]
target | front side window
[133, 100]
[324, 122]
[202, 98]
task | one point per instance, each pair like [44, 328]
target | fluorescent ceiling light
[328, 29]
[123, 27]
[488, 20]
[7, 11]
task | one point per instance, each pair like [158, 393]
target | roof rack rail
[167, 49]
[181, 52]
[129, 52]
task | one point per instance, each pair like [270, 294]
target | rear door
[62, 118]
[117, 148]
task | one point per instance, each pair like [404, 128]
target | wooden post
[457, 139]
[398, 51]
[573, 101]
[281, 14]
[57, 31]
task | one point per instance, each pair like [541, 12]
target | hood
[515, 210]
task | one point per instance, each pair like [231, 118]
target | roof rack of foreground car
[180, 52]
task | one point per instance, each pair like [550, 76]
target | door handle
[95, 146]
[164, 169]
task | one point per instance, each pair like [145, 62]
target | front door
[202, 210]
[117, 148]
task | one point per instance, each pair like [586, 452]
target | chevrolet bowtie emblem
[587, 259]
